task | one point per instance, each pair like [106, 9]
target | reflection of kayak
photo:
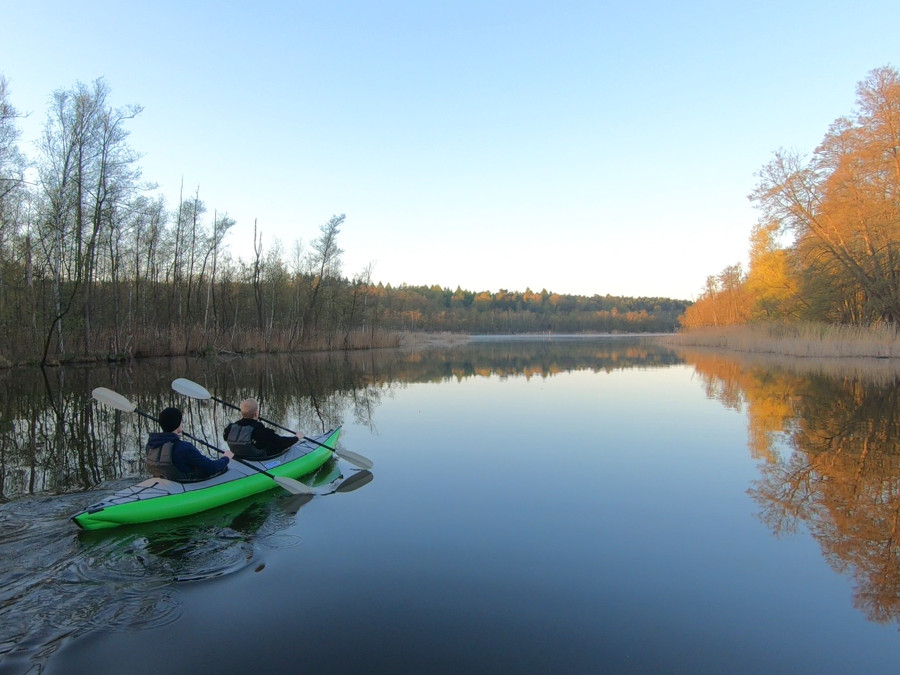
[158, 498]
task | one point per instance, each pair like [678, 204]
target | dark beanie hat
[169, 419]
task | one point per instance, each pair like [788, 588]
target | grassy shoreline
[408, 340]
[797, 340]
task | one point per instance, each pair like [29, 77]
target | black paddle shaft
[274, 424]
[261, 419]
[208, 445]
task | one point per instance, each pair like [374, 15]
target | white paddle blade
[352, 457]
[112, 399]
[355, 459]
[293, 486]
[191, 389]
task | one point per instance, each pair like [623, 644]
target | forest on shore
[827, 246]
[96, 266]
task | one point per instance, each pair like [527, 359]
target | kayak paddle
[119, 402]
[292, 504]
[194, 390]
[355, 481]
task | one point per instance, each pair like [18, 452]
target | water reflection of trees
[54, 438]
[830, 439]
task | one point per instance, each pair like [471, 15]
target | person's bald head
[249, 408]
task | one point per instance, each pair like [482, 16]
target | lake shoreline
[802, 340]
[399, 340]
[410, 341]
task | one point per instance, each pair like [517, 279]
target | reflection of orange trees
[843, 481]
[841, 476]
[769, 396]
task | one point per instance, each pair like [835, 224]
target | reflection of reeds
[876, 371]
[53, 438]
[796, 339]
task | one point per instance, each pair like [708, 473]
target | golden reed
[796, 339]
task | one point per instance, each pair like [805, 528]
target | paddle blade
[112, 399]
[293, 503]
[191, 389]
[293, 486]
[355, 459]
[355, 481]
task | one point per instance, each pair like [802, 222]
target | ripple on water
[66, 583]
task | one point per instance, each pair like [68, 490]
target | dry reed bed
[177, 341]
[194, 341]
[796, 340]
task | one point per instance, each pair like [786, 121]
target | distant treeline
[827, 247]
[94, 265]
[440, 309]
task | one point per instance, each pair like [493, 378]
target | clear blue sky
[581, 147]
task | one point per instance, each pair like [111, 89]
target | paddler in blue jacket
[170, 457]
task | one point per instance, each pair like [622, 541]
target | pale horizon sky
[578, 147]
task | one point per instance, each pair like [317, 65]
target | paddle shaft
[209, 445]
[194, 390]
[261, 419]
[274, 424]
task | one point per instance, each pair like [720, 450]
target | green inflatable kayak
[159, 498]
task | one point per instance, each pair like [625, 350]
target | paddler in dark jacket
[249, 438]
[170, 457]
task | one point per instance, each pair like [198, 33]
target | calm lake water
[537, 506]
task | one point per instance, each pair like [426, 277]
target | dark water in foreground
[571, 506]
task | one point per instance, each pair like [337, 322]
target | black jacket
[266, 441]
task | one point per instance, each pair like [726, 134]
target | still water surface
[564, 506]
